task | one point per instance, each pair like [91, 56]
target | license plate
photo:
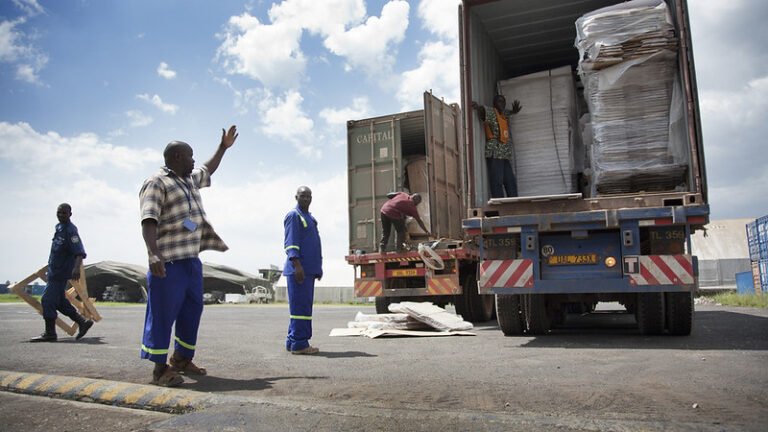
[406, 272]
[572, 259]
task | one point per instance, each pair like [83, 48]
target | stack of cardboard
[628, 64]
[544, 135]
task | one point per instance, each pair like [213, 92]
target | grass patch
[13, 298]
[733, 299]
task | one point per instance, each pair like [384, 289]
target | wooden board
[18, 289]
[79, 288]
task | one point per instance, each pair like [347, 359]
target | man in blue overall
[64, 262]
[303, 265]
[175, 230]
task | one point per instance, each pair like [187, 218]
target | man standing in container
[498, 145]
[175, 230]
[64, 262]
[303, 265]
[393, 212]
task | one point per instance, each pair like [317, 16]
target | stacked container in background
[757, 239]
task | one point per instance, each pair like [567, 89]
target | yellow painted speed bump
[142, 396]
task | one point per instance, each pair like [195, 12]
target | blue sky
[91, 91]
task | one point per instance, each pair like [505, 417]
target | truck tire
[535, 312]
[472, 306]
[508, 315]
[679, 308]
[382, 304]
[650, 313]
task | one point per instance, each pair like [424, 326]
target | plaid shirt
[169, 199]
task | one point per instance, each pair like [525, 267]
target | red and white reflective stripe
[443, 285]
[664, 270]
[654, 222]
[503, 230]
[368, 288]
[506, 273]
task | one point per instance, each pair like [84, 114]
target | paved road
[600, 374]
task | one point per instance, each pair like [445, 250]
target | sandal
[169, 378]
[185, 366]
[307, 351]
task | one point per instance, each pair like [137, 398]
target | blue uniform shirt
[66, 246]
[302, 240]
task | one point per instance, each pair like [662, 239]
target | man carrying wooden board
[64, 262]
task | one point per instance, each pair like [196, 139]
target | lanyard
[187, 192]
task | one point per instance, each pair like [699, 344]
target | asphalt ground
[600, 374]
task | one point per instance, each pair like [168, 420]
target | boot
[83, 325]
[50, 332]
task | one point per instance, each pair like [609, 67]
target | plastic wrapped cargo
[628, 64]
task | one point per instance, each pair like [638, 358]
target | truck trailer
[416, 152]
[608, 157]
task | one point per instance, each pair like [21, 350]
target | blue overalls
[65, 247]
[302, 241]
[178, 297]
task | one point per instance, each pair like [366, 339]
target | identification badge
[189, 225]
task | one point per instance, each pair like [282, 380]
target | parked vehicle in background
[213, 297]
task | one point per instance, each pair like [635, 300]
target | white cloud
[369, 46]
[438, 71]
[438, 68]
[284, 119]
[100, 181]
[267, 53]
[361, 108]
[138, 118]
[165, 71]
[747, 107]
[254, 232]
[440, 17]
[244, 99]
[10, 47]
[31, 151]
[158, 102]
[15, 49]
[29, 7]
[271, 52]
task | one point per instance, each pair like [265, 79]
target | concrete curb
[141, 396]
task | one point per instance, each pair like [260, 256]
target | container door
[374, 169]
[445, 167]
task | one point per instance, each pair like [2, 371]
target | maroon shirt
[399, 206]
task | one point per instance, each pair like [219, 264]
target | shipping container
[762, 238]
[763, 270]
[415, 152]
[609, 132]
[753, 241]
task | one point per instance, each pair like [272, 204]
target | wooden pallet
[78, 288]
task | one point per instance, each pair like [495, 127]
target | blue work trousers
[54, 299]
[300, 298]
[501, 178]
[178, 297]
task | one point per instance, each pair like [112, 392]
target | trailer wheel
[382, 304]
[535, 311]
[509, 315]
[472, 306]
[679, 308]
[650, 313]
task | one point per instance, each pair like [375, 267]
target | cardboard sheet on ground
[374, 333]
[417, 319]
